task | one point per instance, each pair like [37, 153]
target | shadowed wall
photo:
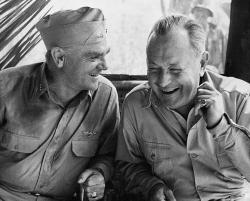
[238, 50]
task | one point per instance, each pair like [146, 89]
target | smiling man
[59, 119]
[184, 135]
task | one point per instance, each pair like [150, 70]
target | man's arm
[104, 159]
[135, 171]
[101, 166]
[234, 138]
[137, 178]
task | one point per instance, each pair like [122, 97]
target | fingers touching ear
[58, 55]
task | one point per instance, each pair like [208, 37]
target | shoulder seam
[235, 91]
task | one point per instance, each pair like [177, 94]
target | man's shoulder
[138, 94]
[230, 84]
[106, 83]
[19, 71]
[106, 87]
[11, 77]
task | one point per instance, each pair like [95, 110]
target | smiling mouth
[94, 75]
[170, 92]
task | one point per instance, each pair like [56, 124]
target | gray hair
[195, 31]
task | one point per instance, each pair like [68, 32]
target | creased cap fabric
[68, 28]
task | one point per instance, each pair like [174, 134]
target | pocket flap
[156, 152]
[84, 148]
[19, 143]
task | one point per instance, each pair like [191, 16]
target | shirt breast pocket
[160, 158]
[18, 143]
[84, 148]
[222, 157]
[85, 144]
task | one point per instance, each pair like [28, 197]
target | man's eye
[153, 70]
[175, 71]
[94, 57]
[91, 59]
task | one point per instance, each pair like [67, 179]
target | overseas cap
[85, 26]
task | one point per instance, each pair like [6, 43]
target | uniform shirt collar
[44, 87]
[149, 97]
[148, 102]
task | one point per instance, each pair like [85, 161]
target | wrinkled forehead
[100, 49]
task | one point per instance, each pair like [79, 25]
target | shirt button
[194, 155]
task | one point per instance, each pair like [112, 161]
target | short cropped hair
[195, 31]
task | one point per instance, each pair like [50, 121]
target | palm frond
[11, 13]
[17, 18]
[21, 48]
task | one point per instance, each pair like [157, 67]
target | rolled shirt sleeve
[234, 136]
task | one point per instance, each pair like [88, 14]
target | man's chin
[171, 104]
[168, 100]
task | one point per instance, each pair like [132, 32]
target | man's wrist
[155, 188]
[99, 170]
[215, 124]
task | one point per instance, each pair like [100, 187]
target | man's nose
[164, 79]
[102, 65]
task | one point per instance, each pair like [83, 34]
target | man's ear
[204, 60]
[58, 55]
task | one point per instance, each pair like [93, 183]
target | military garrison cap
[67, 28]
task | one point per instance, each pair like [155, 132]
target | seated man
[59, 119]
[185, 135]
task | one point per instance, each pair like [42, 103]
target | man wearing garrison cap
[58, 119]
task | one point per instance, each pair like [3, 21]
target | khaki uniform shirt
[44, 147]
[157, 145]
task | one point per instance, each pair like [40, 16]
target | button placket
[48, 155]
[153, 156]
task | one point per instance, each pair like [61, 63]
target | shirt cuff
[103, 169]
[155, 187]
[221, 127]
[154, 182]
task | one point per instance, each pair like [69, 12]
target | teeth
[171, 91]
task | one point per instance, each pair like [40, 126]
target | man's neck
[184, 110]
[60, 87]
